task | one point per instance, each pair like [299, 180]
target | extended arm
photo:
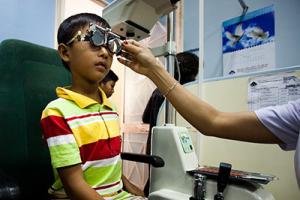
[75, 185]
[243, 126]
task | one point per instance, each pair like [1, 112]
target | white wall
[71, 7]
[32, 21]
[66, 8]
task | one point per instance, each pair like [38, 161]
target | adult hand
[138, 57]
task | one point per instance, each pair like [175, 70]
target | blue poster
[249, 42]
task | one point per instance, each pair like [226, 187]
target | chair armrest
[153, 160]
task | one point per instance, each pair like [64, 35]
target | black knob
[219, 196]
[223, 177]
[130, 34]
[174, 1]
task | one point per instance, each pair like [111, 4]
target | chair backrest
[29, 74]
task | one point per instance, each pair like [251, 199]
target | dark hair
[188, 65]
[110, 76]
[69, 27]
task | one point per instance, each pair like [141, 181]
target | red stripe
[107, 186]
[102, 149]
[109, 113]
[55, 126]
[90, 115]
[82, 116]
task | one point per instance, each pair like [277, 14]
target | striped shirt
[80, 130]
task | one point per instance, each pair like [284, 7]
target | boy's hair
[69, 27]
[188, 65]
[111, 76]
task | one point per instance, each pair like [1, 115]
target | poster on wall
[272, 90]
[249, 42]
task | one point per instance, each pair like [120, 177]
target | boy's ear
[63, 51]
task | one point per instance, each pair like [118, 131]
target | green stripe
[97, 175]
[64, 155]
[57, 184]
[70, 108]
[111, 173]
[123, 195]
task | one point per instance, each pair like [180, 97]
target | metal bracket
[167, 49]
[244, 6]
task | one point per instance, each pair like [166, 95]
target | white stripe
[108, 190]
[61, 139]
[101, 163]
[81, 122]
[85, 121]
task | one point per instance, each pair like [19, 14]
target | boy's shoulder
[59, 103]
[56, 102]
[63, 106]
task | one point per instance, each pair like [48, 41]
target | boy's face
[87, 62]
[108, 87]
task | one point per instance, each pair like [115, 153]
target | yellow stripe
[51, 112]
[112, 194]
[86, 134]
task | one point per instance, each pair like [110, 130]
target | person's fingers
[131, 46]
[126, 55]
[135, 43]
[126, 62]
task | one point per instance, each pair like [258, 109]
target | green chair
[29, 74]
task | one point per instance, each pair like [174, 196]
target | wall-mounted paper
[249, 42]
[273, 90]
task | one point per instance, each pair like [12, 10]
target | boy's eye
[97, 48]
[93, 46]
[98, 38]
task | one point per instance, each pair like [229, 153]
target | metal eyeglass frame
[93, 28]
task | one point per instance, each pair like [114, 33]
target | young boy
[108, 83]
[81, 126]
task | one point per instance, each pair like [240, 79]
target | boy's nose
[103, 51]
